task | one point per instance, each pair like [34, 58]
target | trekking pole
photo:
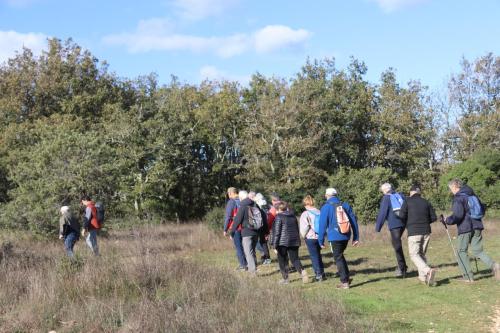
[453, 247]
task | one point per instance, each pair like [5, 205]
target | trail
[496, 320]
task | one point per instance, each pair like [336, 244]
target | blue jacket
[460, 209]
[328, 223]
[232, 204]
[386, 213]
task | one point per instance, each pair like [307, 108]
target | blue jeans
[69, 243]
[91, 241]
[315, 254]
[238, 245]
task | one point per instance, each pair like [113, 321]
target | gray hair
[64, 209]
[456, 182]
[243, 195]
[386, 187]
[251, 195]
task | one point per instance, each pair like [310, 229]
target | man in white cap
[338, 222]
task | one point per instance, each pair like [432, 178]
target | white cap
[331, 192]
[64, 209]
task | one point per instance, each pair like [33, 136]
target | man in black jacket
[248, 233]
[417, 214]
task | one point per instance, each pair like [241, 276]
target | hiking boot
[429, 279]
[496, 270]
[305, 277]
[283, 281]
[465, 280]
[343, 285]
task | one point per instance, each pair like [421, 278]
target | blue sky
[232, 39]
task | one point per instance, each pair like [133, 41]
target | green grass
[402, 305]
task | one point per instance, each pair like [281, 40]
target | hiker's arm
[354, 222]
[382, 214]
[458, 213]
[403, 213]
[229, 212]
[432, 214]
[86, 218]
[61, 225]
[323, 223]
[276, 233]
[237, 220]
[304, 224]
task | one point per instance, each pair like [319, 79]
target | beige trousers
[417, 246]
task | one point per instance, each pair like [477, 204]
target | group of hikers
[253, 225]
[70, 228]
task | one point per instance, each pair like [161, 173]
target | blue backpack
[476, 210]
[316, 221]
[396, 202]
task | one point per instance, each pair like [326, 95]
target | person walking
[417, 214]
[309, 223]
[390, 206]
[262, 244]
[286, 242]
[90, 224]
[467, 212]
[251, 219]
[337, 232]
[232, 207]
[69, 230]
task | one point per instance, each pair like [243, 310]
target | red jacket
[91, 221]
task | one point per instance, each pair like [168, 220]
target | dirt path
[496, 320]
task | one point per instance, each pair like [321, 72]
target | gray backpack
[254, 218]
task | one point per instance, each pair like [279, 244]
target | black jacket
[417, 214]
[461, 216]
[285, 230]
[242, 218]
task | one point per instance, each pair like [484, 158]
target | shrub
[215, 219]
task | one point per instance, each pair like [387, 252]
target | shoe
[283, 281]
[267, 262]
[429, 279]
[240, 269]
[496, 270]
[399, 273]
[319, 278]
[305, 277]
[343, 285]
[465, 280]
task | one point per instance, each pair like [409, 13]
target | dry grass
[145, 282]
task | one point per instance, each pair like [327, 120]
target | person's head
[275, 198]
[415, 189]
[259, 199]
[86, 200]
[386, 188]
[64, 210]
[330, 192]
[232, 193]
[308, 201]
[251, 195]
[282, 207]
[455, 185]
[243, 195]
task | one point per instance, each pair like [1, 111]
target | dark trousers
[283, 253]
[263, 248]
[396, 235]
[315, 254]
[238, 245]
[338, 248]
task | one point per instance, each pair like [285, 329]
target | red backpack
[94, 222]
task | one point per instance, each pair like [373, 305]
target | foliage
[215, 219]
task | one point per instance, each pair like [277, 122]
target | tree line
[69, 126]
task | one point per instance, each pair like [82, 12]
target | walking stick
[457, 257]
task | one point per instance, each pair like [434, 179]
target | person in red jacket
[90, 224]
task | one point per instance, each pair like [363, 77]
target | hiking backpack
[476, 209]
[342, 219]
[255, 221]
[316, 220]
[396, 203]
[99, 207]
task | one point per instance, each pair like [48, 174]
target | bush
[215, 219]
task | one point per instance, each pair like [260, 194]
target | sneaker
[240, 269]
[496, 271]
[283, 281]
[343, 285]
[267, 262]
[319, 278]
[465, 280]
[305, 277]
[429, 279]
[399, 273]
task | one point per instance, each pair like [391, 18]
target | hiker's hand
[355, 243]
[225, 234]
[322, 246]
[83, 232]
[61, 237]
[275, 251]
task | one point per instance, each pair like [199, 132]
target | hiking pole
[441, 218]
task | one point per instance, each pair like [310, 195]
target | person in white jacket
[307, 231]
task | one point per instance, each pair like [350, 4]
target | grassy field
[405, 305]
[182, 279]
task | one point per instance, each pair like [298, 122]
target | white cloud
[212, 73]
[276, 37]
[199, 9]
[12, 41]
[158, 35]
[392, 5]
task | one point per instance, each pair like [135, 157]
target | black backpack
[99, 207]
